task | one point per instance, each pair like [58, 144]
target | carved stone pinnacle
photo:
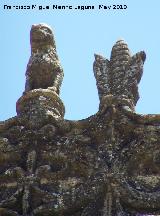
[120, 75]
[105, 165]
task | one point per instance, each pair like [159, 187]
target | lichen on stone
[105, 165]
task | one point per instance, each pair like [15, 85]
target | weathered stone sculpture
[105, 165]
[120, 76]
[43, 69]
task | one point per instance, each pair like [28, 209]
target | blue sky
[80, 34]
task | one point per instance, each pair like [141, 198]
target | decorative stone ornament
[105, 165]
[120, 76]
[43, 69]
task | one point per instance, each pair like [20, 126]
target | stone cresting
[105, 165]
[121, 75]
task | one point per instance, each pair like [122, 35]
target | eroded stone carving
[119, 76]
[43, 69]
[105, 165]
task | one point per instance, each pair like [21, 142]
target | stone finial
[44, 75]
[119, 76]
[105, 165]
[43, 69]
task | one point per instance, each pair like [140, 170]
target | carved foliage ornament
[105, 165]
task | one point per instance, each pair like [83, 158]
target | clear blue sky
[80, 34]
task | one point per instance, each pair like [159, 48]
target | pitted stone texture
[40, 106]
[119, 76]
[105, 165]
[43, 69]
